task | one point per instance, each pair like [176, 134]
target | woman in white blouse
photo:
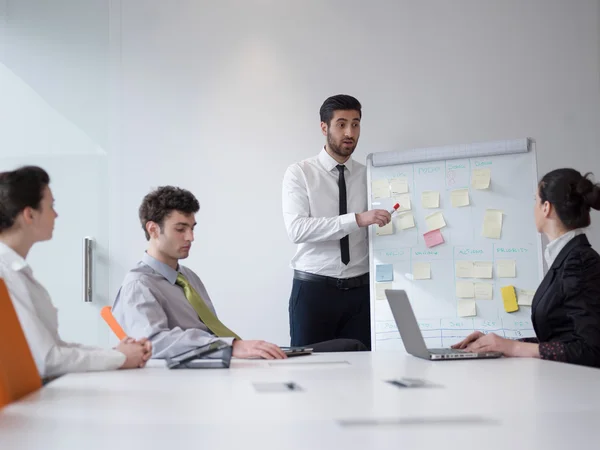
[27, 216]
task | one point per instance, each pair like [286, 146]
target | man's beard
[339, 150]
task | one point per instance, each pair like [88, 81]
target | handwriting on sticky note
[398, 186]
[405, 221]
[482, 269]
[435, 221]
[484, 291]
[380, 189]
[480, 178]
[525, 297]
[404, 201]
[380, 290]
[463, 269]
[492, 223]
[506, 268]
[467, 308]
[430, 199]
[421, 271]
[433, 238]
[459, 198]
[386, 229]
[384, 272]
[465, 289]
[509, 299]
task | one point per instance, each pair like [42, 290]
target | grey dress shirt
[150, 304]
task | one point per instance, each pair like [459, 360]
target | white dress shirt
[554, 247]
[39, 321]
[312, 219]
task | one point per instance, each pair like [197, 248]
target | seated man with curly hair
[168, 302]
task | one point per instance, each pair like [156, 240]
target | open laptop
[412, 337]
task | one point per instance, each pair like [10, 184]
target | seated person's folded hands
[137, 353]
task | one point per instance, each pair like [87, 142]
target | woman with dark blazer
[566, 307]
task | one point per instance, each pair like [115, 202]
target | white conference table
[344, 402]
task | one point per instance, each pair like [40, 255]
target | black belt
[340, 283]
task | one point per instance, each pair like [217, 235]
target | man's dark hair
[572, 195]
[20, 189]
[161, 202]
[337, 103]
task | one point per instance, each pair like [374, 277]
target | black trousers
[321, 312]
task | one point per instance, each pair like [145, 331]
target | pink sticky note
[433, 238]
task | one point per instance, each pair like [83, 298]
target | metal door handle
[88, 244]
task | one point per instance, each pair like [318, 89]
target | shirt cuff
[553, 351]
[115, 359]
[348, 222]
[227, 340]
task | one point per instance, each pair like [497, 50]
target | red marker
[396, 206]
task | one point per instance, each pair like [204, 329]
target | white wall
[60, 48]
[219, 97]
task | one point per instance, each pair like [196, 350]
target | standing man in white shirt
[324, 210]
[27, 216]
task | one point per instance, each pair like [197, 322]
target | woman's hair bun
[589, 191]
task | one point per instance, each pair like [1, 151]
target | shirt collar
[14, 260]
[555, 247]
[330, 164]
[166, 271]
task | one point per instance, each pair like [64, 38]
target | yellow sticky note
[482, 269]
[464, 269]
[484, 291]
[430, 199]
[405, 221]
[506, 268]
[467, 308]
[421, 271]
[380, 290]
[386, 229]
[481, 178]
[465, 289]
[525, 297]
[492, 223]
[399, 186]
[404, 201]
[509, 298]
[435, 221]
[459, 198]
[380, 189]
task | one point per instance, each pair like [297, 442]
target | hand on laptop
[479, 343]
[462, 345]
[260, 349]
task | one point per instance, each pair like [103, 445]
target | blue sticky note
[384, 272]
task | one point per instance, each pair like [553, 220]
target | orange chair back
[108, 317]
[18, 374]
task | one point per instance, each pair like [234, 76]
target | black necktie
[344, 243]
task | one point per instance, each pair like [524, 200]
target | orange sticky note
[509, 296]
